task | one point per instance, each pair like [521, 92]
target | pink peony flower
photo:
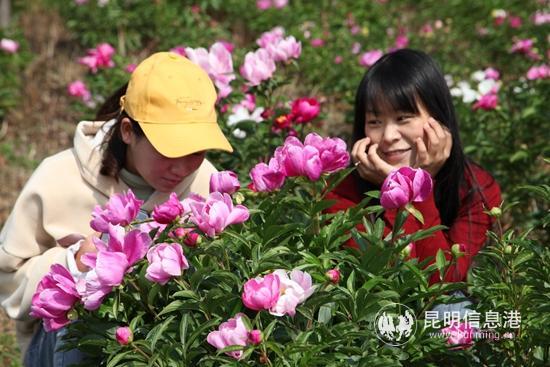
[180, 50]
[120, 209]
[294, 290]
[55, 296]
[166, 260]
[332, 152]
[217, 62]
[295, 159]
[370, 57]
[214, 214]
[168, 211]
[540, 17]
[355, 48]
[459, 334]
[522, 46]
[538, 72]
[261, 293]
[78, 89]
[99, 57]
[487, 102]
[224, 182]
[267, 178]
[130, 68]
[8, 45]
[257, 67]
[305, 109]
[92, 290]
[317, 42]
[333, 275]
[401, 41]
[405, 185]
[338, 59]
[263, 4]
[273, 36]
[491, 73]
[279, 4]
[285, 49]
[231, 332]
[514, 21]
[255, 337]
[124, 335]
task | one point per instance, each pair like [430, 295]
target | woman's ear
[126, 131]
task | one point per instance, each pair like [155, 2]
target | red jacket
[469, 228]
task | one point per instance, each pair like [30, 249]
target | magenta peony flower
[224, 182]
[333, 275]
[332, 152]
[180, 50]
[267, 178]
[55, 296]
[130, 68]
[257, 67]
[491, 73]
[231, 332]
[124, 335]
[78, 89]
[294, 290]
[295, 159]
[459, 333]
[317, 42]
[273, 36]
[8, 45]
[405, 185]
[305, 109]
[261, 293]
[166, 260]
[121, 209]
[487, 102]
[370, 57]
[263, 4]
[214, 214]
[168, 211]
[401, 41]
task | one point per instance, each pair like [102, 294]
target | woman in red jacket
[404, 116]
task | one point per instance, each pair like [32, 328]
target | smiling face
[395, 133]
[162, 173]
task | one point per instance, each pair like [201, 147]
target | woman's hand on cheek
[439, 144]
[369, 164]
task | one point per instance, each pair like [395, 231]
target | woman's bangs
[390, 94]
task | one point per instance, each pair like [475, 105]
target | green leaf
[415, 212]
[155, 333]
[440, 262]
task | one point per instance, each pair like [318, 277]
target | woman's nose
[391, 133]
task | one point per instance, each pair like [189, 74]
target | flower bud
[72, 315]
[495, 212]
[239, 198]
[255, 336]
[455, 249]
[124, 335]
[508, 249]
[333, 275]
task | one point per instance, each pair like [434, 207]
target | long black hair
[114, 148]
[400, 80]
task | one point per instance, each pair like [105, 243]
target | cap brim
[177, 140]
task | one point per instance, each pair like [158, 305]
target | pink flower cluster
[234, 332]
[259, 65]
[317, 155]
[541, 17]
[55, 296]
[500, 16]
[278, 292]
[217, 62]
[538, 72]
[405, 185]
[99, 57]
[8, 45]
[79, 90]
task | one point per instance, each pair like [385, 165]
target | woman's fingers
[433, 139]
[359, 150]
[421, 153]
[378, 163]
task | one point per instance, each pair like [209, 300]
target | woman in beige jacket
[154, 144]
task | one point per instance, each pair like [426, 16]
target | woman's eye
[374, 122]
[404, 118]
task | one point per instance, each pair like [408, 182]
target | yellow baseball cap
[173, 101]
